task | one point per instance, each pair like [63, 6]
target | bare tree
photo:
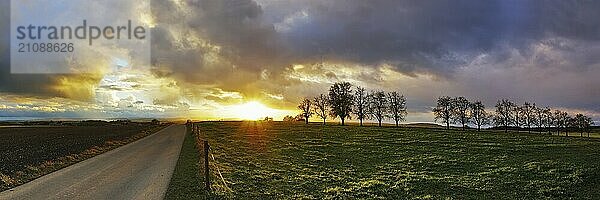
[556, 121]
[305, 108]
[397, 107]
[586, 124]
[561, 121]
[378, 105]
[361, 104]
[518, 118]
[570, 124]
[549, 120]
[320, 107]
[504, 113]
[460, 113]
[341, 100]
[540, 120]
[478, 115]
[527, 111]
[580, 121]
[443, 110]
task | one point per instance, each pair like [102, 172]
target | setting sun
[254, 110]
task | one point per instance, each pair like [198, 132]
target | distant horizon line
[41, 119]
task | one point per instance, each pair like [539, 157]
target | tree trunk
[379, 123]
[342, 121]
[361, 124]
[448, 125]
[324, 122]
[306, 120]
[396, 123]
[478, 127]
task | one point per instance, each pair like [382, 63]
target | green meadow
[277, 160]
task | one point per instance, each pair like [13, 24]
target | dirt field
[29, 152]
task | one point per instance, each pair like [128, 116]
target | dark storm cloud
[434, 36]
[571, 19]
[236, 26]
[410, 35]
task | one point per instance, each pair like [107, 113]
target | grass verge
[186, 182]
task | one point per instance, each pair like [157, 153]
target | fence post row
[196, 130]
[206, 172]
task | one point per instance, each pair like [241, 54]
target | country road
[140, 170]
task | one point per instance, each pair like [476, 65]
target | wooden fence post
[206, 172]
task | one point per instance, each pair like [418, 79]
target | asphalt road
[140, 170]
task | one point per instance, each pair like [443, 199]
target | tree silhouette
[378, 106]
[443, 110]
[478, 115]
[549, 119]
[527, 111]
[341, 100]
[305, 108]
[586, 124]
[555, 121]
[460, 113]
[518, 117]
[504, 113]
[561, 121]
[570, 124]
[540, 115]
[579, 121]
[397, 107]
[361, 104]
[321, 106]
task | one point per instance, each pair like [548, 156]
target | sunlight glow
[253, 110]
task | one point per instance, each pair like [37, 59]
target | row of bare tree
[459, 110]
[344, 102]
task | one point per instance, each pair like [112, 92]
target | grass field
[296, 161]
[186, 182]
[29, 152]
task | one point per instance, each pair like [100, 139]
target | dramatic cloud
[436, 36]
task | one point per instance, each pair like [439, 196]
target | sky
[223, 59]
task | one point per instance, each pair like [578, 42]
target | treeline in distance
[344, 102]
[507, 114]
